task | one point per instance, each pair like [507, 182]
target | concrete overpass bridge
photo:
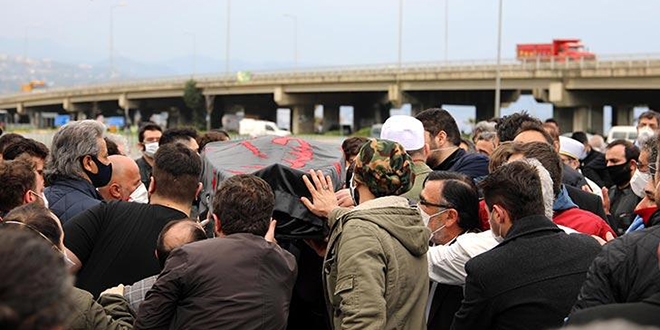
[577, 89]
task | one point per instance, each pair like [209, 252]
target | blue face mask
[102, 176]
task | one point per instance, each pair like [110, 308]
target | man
[565, 212]
[120, 144]
[530, 280]
[594, 164]
[36, 288]
[125, 184]
[237, 280]
[113, 243]
[443, 137]
[8, 139]
[531, 132]
[77, 165]
[35, 150]
[647, 125]
[571, 152]
[186, 136]
[19, 184]
[486, 142]
[375, 265]
[409, 132]
[148, 137]
[626, 269]
[449, 206]
[622, 159]
[645, 312]
[175, 234]
[551, 122]
[518, 123]
[645, 166]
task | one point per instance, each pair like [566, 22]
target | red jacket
[583, 221]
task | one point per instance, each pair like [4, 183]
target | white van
[622, 132]
[254, 127]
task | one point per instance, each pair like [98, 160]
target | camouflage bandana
[384, 167]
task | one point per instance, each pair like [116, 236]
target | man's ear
[217, 227]
[89, 164]
[200, 186]
[502, 214]
[115, 191]
[152, 186]
[441, 138]
[28, 197]
[426, 150]
[633, 165]
[452, 218]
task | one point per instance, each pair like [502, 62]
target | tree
[194, 100]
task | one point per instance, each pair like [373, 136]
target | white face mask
[139, 195]
[43, 197]
[638, 182]
[150, 148]
[426, 218]
[644, 134]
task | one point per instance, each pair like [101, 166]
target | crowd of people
[516, 227]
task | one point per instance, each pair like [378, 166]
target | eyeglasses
[424, 202]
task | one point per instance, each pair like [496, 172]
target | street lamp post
[498, 78]
[446, 30]
[294, 18]
[112, 53]
[227, 36]
[399, 44]
[194, 49]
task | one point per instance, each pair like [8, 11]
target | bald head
[125, 179]
[176, 234]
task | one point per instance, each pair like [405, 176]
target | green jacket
[115, 313]
[375, 270]
[421, 171]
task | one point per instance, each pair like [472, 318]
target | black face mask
[620, 174]
[103, 176]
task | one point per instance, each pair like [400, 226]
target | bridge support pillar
[330, 117]
[302, 119]
[485, 111]
[622, 115]
[564, 117]
[585, 119]
[366, 114]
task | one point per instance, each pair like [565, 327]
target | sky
[330, 33]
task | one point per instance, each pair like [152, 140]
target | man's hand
[608, 237]
[323, 196]
[319, 246]
[344, 198]
[606, 200]
[118, 290]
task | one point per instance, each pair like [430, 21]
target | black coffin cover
[280, 161]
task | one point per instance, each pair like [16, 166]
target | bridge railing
[387, 69]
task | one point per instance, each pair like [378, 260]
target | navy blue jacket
[471, 164]
[68, 197]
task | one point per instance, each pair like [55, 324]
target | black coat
[529, 281]
[646, 312]
[587, 201]
[625, 271]
[594, 168]
[571, 177]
